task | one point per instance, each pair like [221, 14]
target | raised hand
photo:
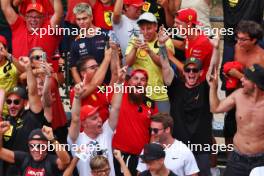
[162, 36]
[117, 154]
[25, 62]
[46, 67]
[4, 126]
[215, 41]
[212, 77]
[122, 74]
[80, 87]
[47, 132]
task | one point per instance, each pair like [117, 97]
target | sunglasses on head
[37, 57]
[194, 70]
[16, 101]
[155, 130]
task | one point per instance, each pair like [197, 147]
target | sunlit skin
[83, 20]
[93, 125]
[149, 31]
[139, 81]
[38, 153]
[133, 12]
[244, 41]
[13, 109]
[106, 2]
[89, 69]
[191, 78]
[34, 20]
[155, 166]
[248, 86]
[105, 171]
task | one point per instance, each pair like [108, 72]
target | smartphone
[44, 57]
[141, 38]
[163, 52]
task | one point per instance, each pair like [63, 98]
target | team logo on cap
[252, 68]
[190, 17]
[192, 59]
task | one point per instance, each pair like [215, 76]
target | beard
[136, 98]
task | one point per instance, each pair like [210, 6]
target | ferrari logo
[107, 18]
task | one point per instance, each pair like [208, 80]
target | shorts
[241, 165]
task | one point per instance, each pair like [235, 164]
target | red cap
[3, 40]
[141, 71]
[187, 15]
[136, 3]
[35, 6]
[87, 111]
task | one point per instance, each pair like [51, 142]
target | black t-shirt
[153, 7]
[93, 46]
[29, 167]
[16, 139]
[190, 110]
[234, 12]
[147, 173]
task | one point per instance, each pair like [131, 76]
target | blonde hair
[98, 162]
[82, 7]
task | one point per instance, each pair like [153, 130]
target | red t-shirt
[47, 7]
[102, 15]
[96, 99]
[202, 49]
[23, 41]
[132, 131]
[70, 17]
[58, 114]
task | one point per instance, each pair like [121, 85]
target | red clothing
[70, 17]
[23, 41]
[96, 99]
[202, 49]
[102, 15]
[132, 131]
[47, 6]
[58, 114]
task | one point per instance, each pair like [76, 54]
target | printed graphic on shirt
[34, 172]
[233, 3]
[107, 18]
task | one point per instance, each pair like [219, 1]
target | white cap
[147, 16]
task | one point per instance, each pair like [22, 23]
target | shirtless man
[249, 138]
[247, 49]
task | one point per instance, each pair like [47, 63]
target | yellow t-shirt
[8, 80]
[156, 89]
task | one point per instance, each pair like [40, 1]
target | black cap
[20, 91]
[36, 132]
[195, 61]
[255, 73]
[152, 151]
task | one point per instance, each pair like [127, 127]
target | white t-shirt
[179, 159]
[104, 144]
[124, 30]
[258, 171]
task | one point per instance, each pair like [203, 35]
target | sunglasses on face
[36, 57]
[15, 102]
[194, 70]
[155, 130]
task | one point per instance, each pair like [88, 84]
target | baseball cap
[20, 91]
[35, 6]
[255, 73]
[87, 111]
[3, 40]
[36, 132]
[147, 17]
[187, 15]
[194, 61]
[152, 151]
[136, 3]
[140, 71]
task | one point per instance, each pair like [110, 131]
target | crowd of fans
[141, 94]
